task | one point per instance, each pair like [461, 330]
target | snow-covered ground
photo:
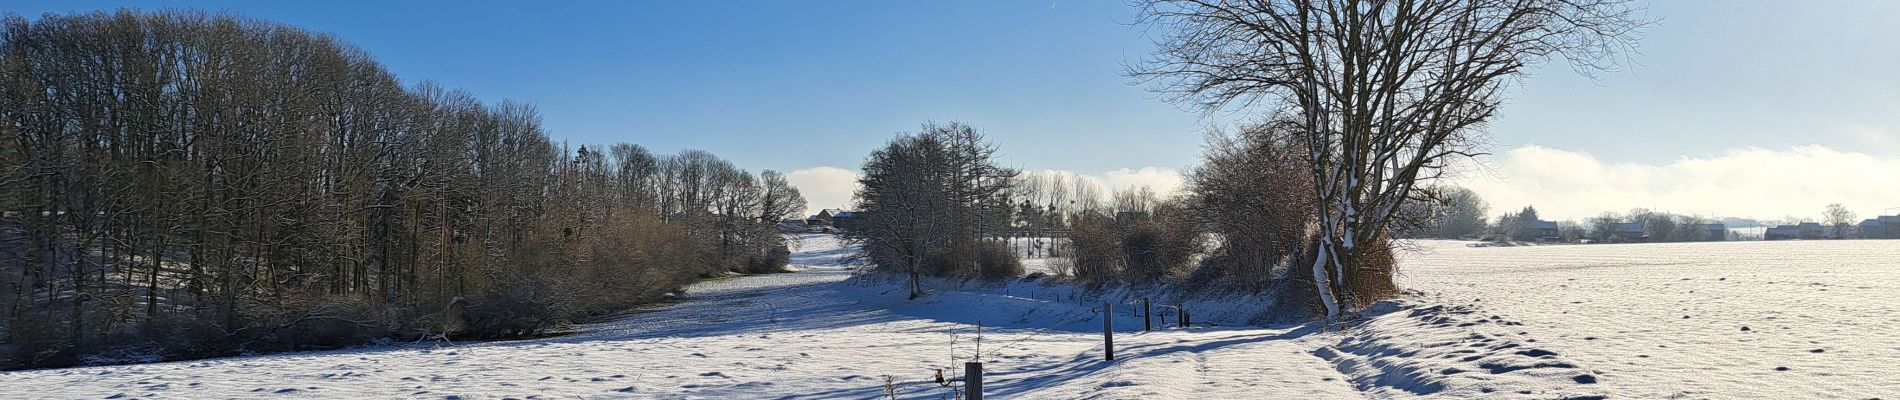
[1769, 320]
[1522, 322]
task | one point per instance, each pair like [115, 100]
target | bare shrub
[995, 261]
[1251, 191]
[1096, 252]
[1374, 263]
[989, 260]
[1162, 246]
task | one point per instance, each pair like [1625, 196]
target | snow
[1693, 320]
[1506, 322]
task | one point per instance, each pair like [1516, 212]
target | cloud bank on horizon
[1748, 182]
[832, 187]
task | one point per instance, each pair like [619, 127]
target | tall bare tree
[1840, 219]
[779, 200]
[1384, 93]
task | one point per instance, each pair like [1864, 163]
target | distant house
[1869, 229]
[1628, 232]
[1804, 230]
[1783, 232]
[1889, 226]
[1812, 230]
[1717, 232]
[832, 217]
[1541, 230]
[1881, 227]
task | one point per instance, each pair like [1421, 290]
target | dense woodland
[179, 184]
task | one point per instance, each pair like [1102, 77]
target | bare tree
[902, 197]
[1383, 93]
[1840, 219]
[778, 198]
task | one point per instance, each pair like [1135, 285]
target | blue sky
[799, 85]
[780, 85]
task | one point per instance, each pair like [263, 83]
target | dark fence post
[1147, 316]
[1108, 332]
[1180, 315]
[973, 380]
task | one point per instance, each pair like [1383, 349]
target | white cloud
[833, 187]
[824, 187]
[1161, 179]
[1742, 182]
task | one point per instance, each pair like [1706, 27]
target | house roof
[1636, 227]
[1869, 223]
[1541, 224]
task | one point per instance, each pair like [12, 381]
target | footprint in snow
[716, 374]
[1537, 353]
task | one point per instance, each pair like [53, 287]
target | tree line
[180, 184]
[936, 202]
[1364, 102]
[927, 202]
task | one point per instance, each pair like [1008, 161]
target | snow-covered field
[1769, 320]
[1518, 322]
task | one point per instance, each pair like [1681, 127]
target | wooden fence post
[973, 380]
[1108, 331]
[1147, 317]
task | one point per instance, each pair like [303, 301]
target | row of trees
[1637, 225]
[182, 184]
[927, 202]
[1656, 227]
[1445, 212]
[934, 203]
